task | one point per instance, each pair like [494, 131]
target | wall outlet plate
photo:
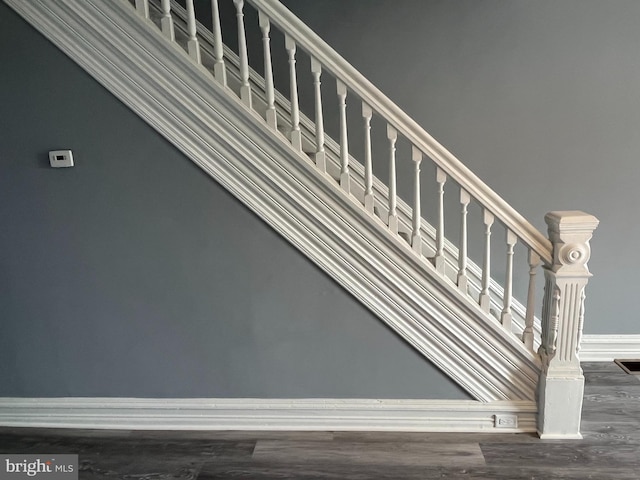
[506, 421]
[61, 158]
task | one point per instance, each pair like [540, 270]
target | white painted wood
[270, 114]
[606, 348]
[485, 294]
[166, 22]
[142, 7]
[345, 181]
[439, 259]
[561, 382]
[463, 280]
[236, 147]
[219, 68]
[392, 135]
[369, 199]
[506, 317]
[296, 136]
[416, 238]
[193, 46]
[245, 87]
[320, 156]
[266, 414]
[529, 328]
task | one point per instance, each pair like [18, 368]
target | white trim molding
[270, 414]
[606, 348]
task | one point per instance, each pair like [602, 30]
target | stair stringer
[233, 145]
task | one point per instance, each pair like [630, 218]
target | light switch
[61, 158]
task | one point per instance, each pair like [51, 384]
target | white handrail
[306, 39]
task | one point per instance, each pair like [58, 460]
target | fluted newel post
[463, 280]
[245, 87]
[344, 143]
[485, 295]
[367, 113]
[219, 70]
[392, 135]
[439, 260]
[416, 238]
[142, 7]
[166, 22]
[193, 46]
[561, 385]
[270, 115]
[320, 156]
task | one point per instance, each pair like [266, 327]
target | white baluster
[528, 333]
[193, 47]
[416, 238]
[392, 135]
[296, 134]
[344, 143]
[270, 115]
[463, 280]
[166, 22]
[219, 69]
[245, 87]
[142, 7]
[367, 113]
[506, 317]
[485, 295]
[439, 259]
[316, 71]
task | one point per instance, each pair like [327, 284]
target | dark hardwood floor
[610, 448]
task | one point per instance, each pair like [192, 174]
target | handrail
[309, 41]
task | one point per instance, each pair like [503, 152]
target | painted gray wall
[134, 274]
[540, 99]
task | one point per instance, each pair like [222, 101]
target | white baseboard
[605, 348]
[268, 414]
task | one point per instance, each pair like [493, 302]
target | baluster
[166, 22]
[506, 317]
[321, 162]
[245, 88]
[416, 239]
[439, 260]
[193, 47]
[296, 134]
[528, 333]
[392, 135]
[142, 7]
[463, 280]
[344, 143]
[219, 69]
[485, 295]
[270, 115]
[367, 113]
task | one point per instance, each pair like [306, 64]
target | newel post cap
[570, 232]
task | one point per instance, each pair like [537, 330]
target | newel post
[561, 385]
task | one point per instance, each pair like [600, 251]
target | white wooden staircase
[231, 121]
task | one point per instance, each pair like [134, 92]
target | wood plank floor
[610, 449]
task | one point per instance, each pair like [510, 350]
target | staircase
[231, 120]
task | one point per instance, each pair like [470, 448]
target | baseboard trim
[266, 414]
[605, 348]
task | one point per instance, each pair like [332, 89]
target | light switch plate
[61, 158]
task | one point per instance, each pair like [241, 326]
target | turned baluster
[367, 113]
[416, 238]
[296, 134]
[506, 317]
[485, 294]
[270, 115]
[439, 259]
[392, 135]
[463, 280]
[528, 333]
[193, 47]
[166, 22]
[219, 69]
[245, 87]
[142, 7]
[321, 161]
[344, 143]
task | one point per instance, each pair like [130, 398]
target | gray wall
[540, 99]
[134, 274]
